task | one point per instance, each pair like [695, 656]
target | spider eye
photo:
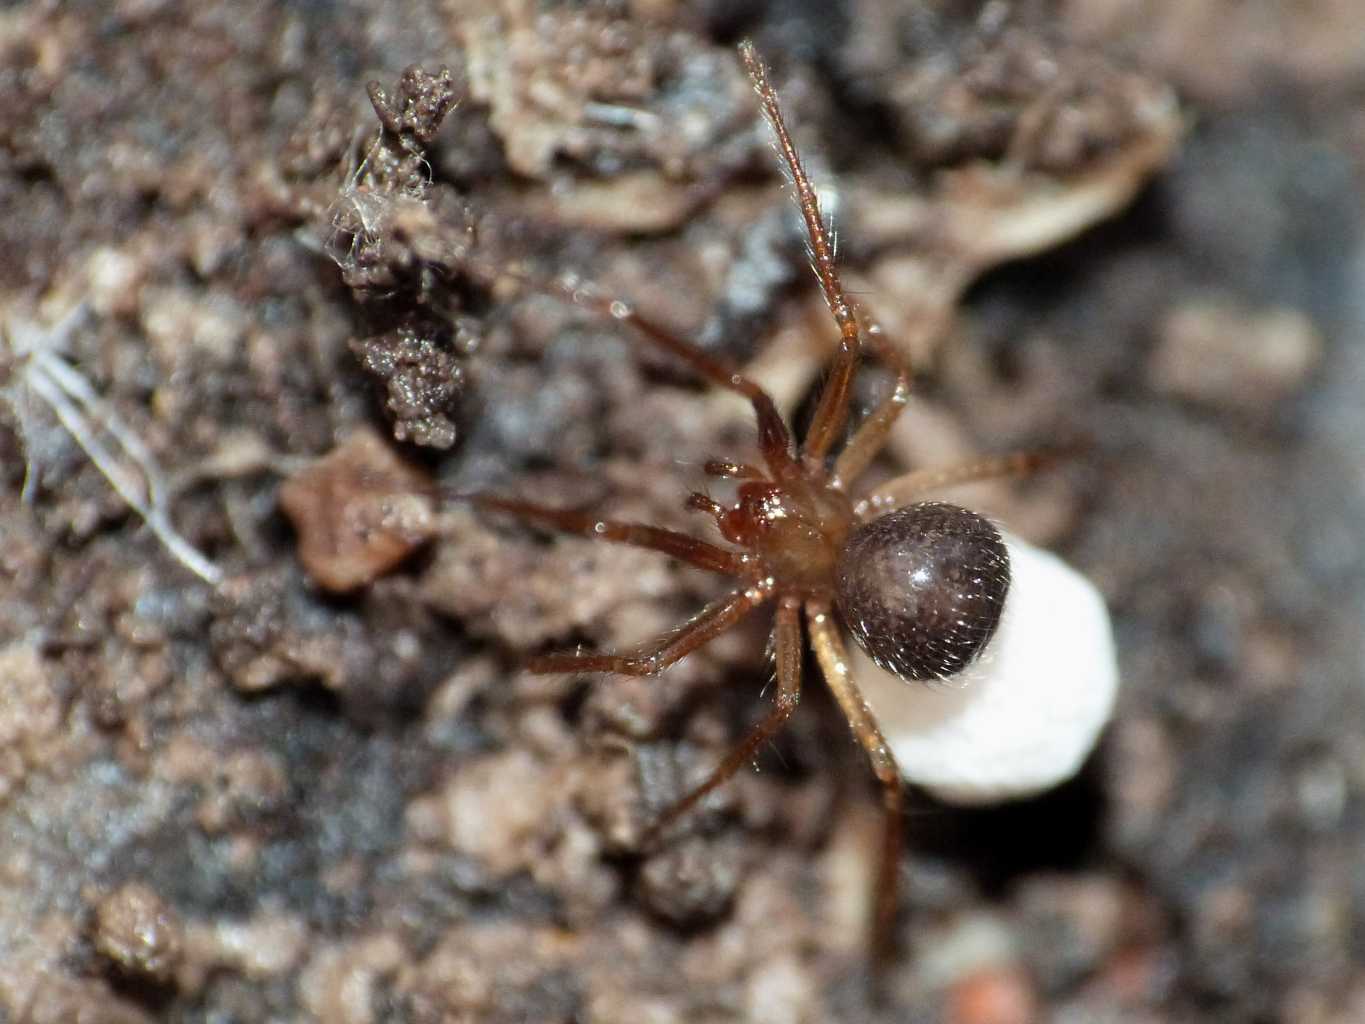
[922, 588]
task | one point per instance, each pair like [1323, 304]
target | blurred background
[266, 750]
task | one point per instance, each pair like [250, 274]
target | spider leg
[903, 489]
[774, 439]
[670, 542]
[703, 627]
[787, 650]
[871, 434]
[833, 658]
[832, 411]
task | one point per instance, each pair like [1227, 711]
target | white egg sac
[1023, 716]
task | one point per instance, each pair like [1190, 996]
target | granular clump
[411, 117]
[422, 377]
[402, 243]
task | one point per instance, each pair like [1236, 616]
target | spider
[920, 585]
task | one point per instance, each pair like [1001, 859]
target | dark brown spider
[920, 586]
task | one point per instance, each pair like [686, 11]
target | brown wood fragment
[358, 511]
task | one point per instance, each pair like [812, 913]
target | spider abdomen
[922, 588]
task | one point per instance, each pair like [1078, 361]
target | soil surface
[280, 282]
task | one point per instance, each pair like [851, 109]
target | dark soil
[242, 779]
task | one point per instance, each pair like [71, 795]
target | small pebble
[995, 995]
[1233, 357]
[691, 881]
[137, 933]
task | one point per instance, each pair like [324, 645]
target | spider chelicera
[920, 586]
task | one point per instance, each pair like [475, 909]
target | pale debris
[1025, 716]
[37, 368]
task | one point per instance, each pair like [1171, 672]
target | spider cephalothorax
[921, 587]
